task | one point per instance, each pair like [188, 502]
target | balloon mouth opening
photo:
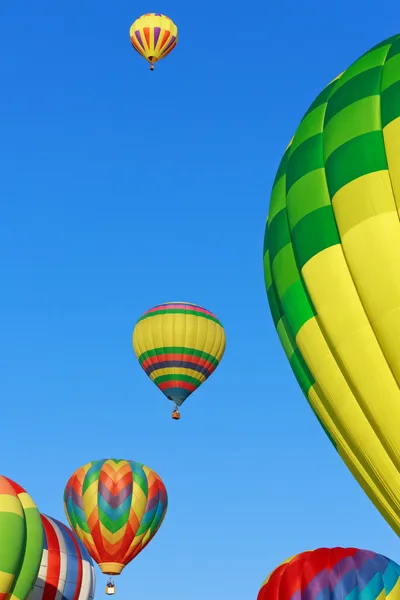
[111, 568]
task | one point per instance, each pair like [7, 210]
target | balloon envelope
[21, 541]
[331, 262]
[115, 507]
[333, 574]
[178, 345]
[154, 36]
[66, 570]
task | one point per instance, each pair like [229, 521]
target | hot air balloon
[154, 36]
[331, 262]
[333, 574]
[21, 541]
[178, 345]
[66, 570]
[115, 508]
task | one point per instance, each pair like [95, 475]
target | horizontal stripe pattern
[179, 345]
[333, 574]
[179, 308]
[115, 507]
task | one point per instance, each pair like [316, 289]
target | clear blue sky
[120, 189]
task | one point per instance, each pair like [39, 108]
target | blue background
[121, 189]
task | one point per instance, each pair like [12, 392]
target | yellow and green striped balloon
[21, 541]
[332, 267]
[178, 345]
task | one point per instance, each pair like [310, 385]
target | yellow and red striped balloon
[154, 36]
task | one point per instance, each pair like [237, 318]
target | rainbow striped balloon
[333, 574]
[115, 507]
[66, 570]
[21, 541]
[178, 345]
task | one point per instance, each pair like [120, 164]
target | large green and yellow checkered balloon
[332, 267]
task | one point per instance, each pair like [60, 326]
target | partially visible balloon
[154, 36]
[331, 264]
[333, 574]
[66, 570]
[21, 541]
[178, 345]
[115, 507]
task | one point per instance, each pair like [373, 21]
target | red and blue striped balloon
[66, 571]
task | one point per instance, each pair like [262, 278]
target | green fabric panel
[306, 158]
[266, 242]
[285, 264]
[363, 85]
[274, 307]
[278, 198]
[390, 104]
[311, 125]
[113, 526]
[278, 233]
[92, 476]
[267, 270]
[391, 72]
[140, 480]
[373, 58]
[307, 195]
[360, 117]
[286, 338]
[12, 542]
[324, 96]
[296, 307]
[282, 166]
[360, 156]
[314, 233]
[394, 48]
[32, 556]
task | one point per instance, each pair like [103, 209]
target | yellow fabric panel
[89, 498]
[395, 593]
[391, 136]
[11, 504]
[387, 506]
[374, 197]
[112, 538]
[6, 580]
[370, 233]
[26, 501]
[349, 334]
[188, 331]
[343, 408]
